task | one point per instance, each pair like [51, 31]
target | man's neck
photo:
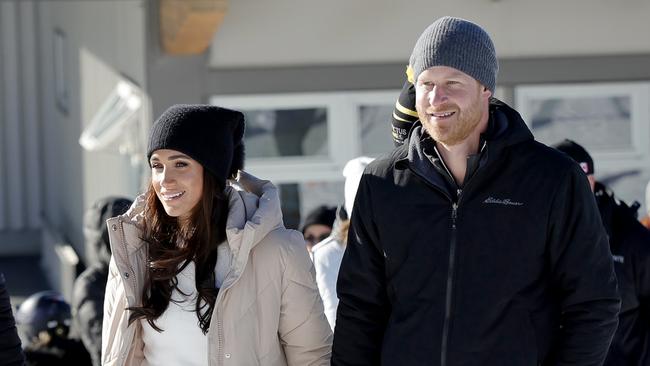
[455, 156]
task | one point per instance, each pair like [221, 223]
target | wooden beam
[188, 26]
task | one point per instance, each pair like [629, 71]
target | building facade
[317, 81]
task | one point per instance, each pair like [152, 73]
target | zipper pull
[454, 208]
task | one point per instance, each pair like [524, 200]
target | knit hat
[321, 215]
[578, 154]
[211, 135]
[456, 43]
[352, 172]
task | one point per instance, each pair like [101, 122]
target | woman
[203, 271]
[327, 254]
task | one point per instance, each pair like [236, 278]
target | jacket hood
[254, 212]
[506, 127]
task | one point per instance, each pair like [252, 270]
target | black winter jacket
[11, 353]
[514, 269]
[630, 245]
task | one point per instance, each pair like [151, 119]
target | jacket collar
[505, 128]
[254, 211]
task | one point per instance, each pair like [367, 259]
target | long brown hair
[166, 258]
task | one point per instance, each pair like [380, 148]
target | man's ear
[488, 91]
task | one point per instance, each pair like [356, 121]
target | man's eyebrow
[456, 73]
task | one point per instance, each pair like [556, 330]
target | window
[301, 141]
[608, 119]
[611, 121]
[61, 87]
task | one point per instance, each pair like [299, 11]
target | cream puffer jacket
[268, 310]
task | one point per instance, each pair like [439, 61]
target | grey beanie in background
[456, 43]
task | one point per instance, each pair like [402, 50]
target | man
[472, 244]
[629, 243]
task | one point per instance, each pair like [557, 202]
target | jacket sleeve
[304, 332]
[404, 114]
[582, 273]
[11, 353]
[326, 264]
[641, 263]
[364, 308]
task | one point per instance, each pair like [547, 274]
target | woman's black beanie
[211, 135]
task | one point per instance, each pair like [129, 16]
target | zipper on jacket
[450, 283]
[225, 286]
[220, 337]
[129, 279]
[452, 252]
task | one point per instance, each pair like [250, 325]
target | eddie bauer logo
[505, 202]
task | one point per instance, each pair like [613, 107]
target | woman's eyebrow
[179, 156]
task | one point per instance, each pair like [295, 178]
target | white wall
[292, 32]
[105, 40]
[19, 144]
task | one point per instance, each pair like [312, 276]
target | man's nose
[437, 95]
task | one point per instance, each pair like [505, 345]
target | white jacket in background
[327, 260]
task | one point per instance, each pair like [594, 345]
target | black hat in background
[43, 311]
[322, 215]
[577, 153]
[211, 135]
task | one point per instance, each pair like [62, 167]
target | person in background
[89, 287]
[11, 353]
[203, 271]
[318, 225]
[43, 322]
[473, 244]
[328, 253]
[629, 243]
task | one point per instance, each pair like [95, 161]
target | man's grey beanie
[456, 43]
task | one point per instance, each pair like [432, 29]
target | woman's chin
[172, 211]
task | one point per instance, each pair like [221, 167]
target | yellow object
[405, 110]
[188, 26]
[409, 74]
